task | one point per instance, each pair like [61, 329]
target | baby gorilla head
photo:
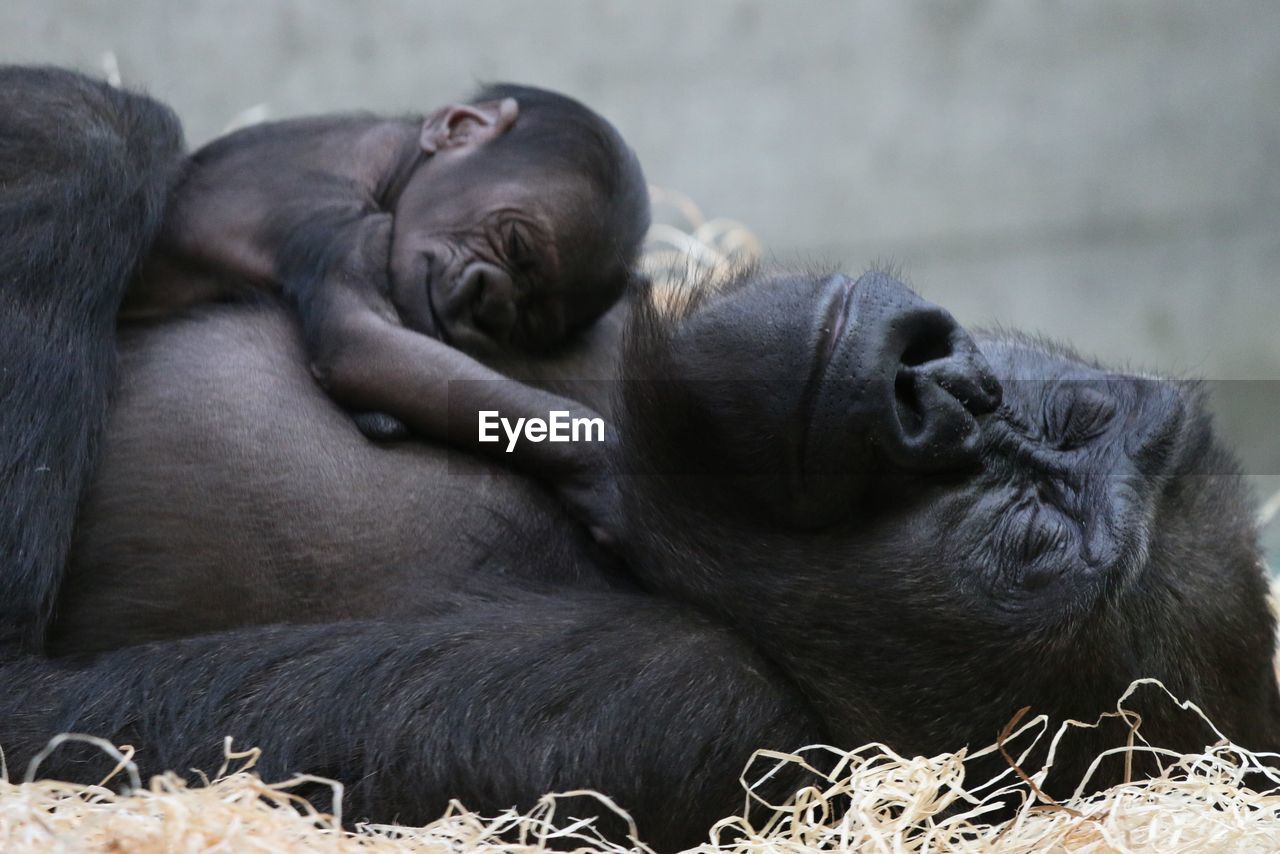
[522, 224]
[935, 529]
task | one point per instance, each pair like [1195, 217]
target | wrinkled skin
[521, 235]
[848, 520]
[505, 266]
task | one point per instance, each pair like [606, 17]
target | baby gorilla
[410, 246]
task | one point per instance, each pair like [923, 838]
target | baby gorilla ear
[466, 125]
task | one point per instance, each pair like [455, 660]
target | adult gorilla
[869, 539]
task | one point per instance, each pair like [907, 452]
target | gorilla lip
[429, 279]
[835, 318]
[834, 312]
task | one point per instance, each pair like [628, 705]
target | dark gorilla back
[84, 169]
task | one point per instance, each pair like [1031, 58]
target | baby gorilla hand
[591, 495]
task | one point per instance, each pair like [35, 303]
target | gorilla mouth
[441, 330]
[835, 317]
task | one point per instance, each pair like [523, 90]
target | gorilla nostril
[940, 352]
[904, 377]
[931, 342]
[940, 384]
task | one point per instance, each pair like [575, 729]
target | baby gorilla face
[492, 260]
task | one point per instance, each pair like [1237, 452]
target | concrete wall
[1103, 171]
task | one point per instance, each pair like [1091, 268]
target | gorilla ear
[467, 125]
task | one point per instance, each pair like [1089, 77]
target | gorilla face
[934, 529]
[493, 263]
[1074, 464]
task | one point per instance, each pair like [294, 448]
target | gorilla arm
[84, 172]
[493, 703]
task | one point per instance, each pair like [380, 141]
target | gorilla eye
[1078, 416]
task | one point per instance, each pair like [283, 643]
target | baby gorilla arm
[367, 361]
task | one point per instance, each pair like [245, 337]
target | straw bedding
[894, 803]
[874, 800]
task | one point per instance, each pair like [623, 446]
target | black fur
[496, 705]
[84, 169]
[926, 560]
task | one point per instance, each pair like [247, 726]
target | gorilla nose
[940, 383]
[490, 295]
[909, 378]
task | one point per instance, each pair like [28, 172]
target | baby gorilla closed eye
[411, 246]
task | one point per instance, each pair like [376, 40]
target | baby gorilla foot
[380, 427]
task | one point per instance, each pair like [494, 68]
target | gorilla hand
[590, 493]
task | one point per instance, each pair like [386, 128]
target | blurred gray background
[1105, 172]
